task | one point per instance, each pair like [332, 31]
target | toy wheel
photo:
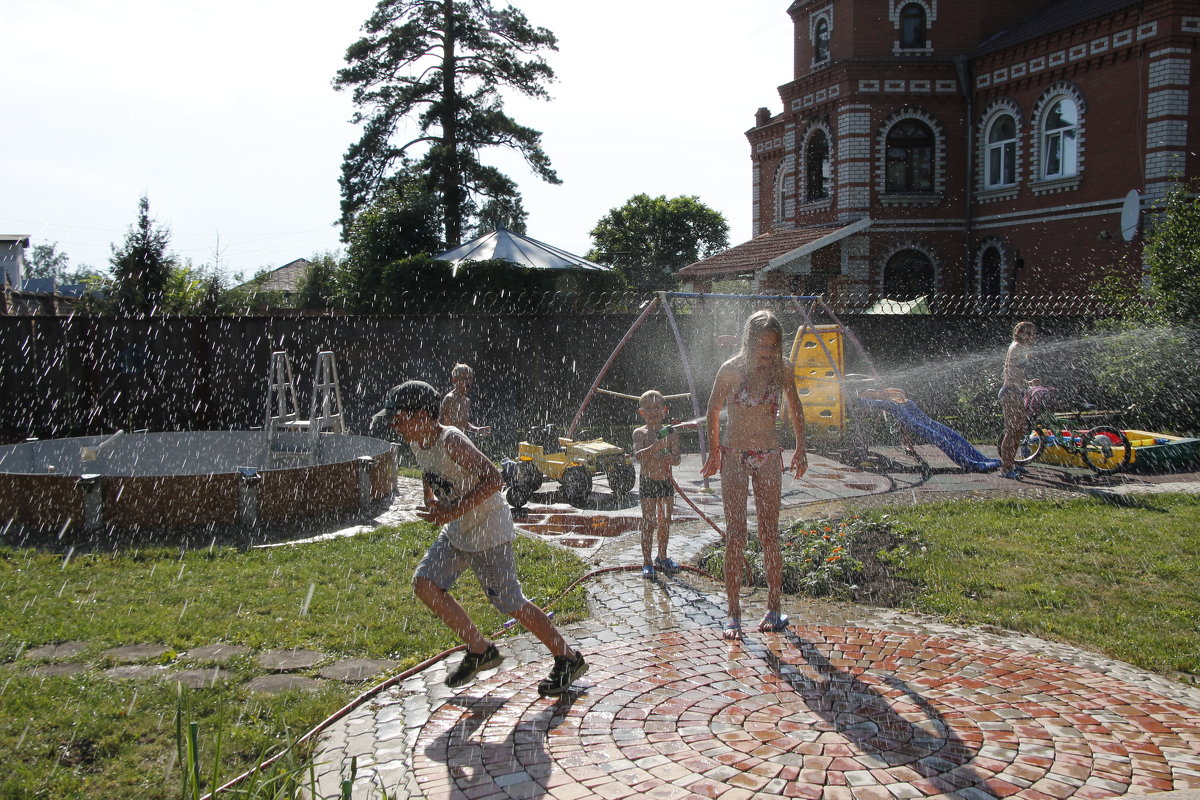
[526, 479]
[1106, 450]
[621, 478]
[576, 485]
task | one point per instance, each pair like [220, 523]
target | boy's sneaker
[566, 669]
[1012, 475]
[668, 566]
[472, 664]
[648, 572]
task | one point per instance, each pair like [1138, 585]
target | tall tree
[441, 65]
[649, 238]
[142, 266]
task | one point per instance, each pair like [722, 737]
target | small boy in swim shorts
[462, 494]
[656, 447]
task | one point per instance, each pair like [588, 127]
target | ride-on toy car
[573, 467]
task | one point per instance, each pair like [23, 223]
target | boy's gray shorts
[496, 569]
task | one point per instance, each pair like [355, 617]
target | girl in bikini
[751, 385]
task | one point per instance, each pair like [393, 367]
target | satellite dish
[1131, 215]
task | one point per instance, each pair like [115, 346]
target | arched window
[908, 275]
[912, 26]
[989, 273]
[820, 40]
[1002, 152]
[818, 169]
[1060, 143]
[909, 157]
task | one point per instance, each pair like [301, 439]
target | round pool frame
[187, 479]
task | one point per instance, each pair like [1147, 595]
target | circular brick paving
[823, 712]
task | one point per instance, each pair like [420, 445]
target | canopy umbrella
[506, 245]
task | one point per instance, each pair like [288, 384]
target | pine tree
[441, 65]
[142, 266]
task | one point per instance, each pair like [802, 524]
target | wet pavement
[851, 703]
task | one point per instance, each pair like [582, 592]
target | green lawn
[86, 736]
[1120, 579]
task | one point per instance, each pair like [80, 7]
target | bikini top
[770, 396]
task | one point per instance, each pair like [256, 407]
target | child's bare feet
[773, 622]
[733, 630]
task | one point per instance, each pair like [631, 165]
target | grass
[88, 736]
[1120, 579]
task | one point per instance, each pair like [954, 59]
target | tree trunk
[451, 177]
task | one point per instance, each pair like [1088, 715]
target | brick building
[964, 147]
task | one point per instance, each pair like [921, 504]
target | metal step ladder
[326, 413]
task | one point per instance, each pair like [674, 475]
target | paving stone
[288, 660]
[215, 653]
[135, 653]
[356, 670]
[58, 669]
[138, 672]
[56, 652]
[199, 678]
[274, 684]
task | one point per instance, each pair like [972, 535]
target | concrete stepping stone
[135, 653]
[199, 678]
[288, 660]
[137, 672]
[215, 653]
[274, 684]
[48, 670]
[57, 652]
[356, 670]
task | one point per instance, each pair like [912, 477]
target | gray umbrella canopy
[507, 245]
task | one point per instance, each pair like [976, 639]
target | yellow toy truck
[573, 467]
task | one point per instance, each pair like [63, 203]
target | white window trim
[984, 191]
[1042, 183]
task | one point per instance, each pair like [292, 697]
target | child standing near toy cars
[456, 405]
[656, 447]
[462, 494]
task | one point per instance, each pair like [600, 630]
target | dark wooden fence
[66, 376]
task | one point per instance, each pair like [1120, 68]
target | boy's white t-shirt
[483, 527]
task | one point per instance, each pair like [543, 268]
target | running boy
[462, 494]
[456, 405]
[657, 450]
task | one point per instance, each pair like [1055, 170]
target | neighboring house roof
[286, 278]
[506, 245]
[16, 238]
[769, 250]
[1054, 17]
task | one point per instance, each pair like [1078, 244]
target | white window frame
[1007, 149]
[1058, 140]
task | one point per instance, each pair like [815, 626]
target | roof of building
[18, 238]
[1054, 17]
[756, 254]
[506, 245]
[286, 278]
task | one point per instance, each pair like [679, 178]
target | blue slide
[949, 441]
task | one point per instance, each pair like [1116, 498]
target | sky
[224, 115]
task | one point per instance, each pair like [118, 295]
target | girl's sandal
[773, 622]
[733, 630]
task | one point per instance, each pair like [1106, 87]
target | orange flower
[833, 558]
